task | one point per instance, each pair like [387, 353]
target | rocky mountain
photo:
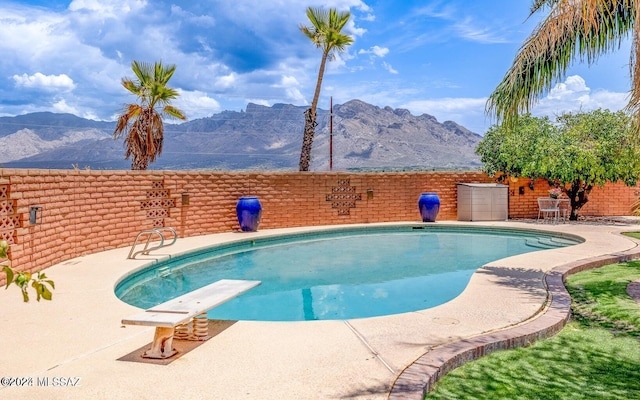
[363, 137]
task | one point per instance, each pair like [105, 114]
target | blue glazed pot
[249, 211]
[429, 205]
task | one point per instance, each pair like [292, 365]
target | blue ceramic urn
[429, 205]
[249, 211]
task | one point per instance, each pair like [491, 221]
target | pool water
[337, 275]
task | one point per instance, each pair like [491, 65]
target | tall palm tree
[325, 33]
[586, 28]
[141, 123]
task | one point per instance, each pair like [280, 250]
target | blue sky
[442, 58]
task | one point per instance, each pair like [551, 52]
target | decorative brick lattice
[157, 213]
[343, 197]
[6, 235]
[9, 222]
[158, 204]
[157, 194]
[9, 219]
[7, 207]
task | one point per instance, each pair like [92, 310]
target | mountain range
[363, 136]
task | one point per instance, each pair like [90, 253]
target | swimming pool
[339, 273]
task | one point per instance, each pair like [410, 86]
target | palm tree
[588, 28]
[325, 33]
[142, 123]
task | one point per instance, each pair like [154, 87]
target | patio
[79, 334]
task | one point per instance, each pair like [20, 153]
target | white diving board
[181, 310]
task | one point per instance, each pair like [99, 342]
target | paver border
[633, 289]
[415, 381]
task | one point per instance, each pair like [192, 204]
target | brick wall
[613, 199]
[88, 211]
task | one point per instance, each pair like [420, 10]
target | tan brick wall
[90, 211]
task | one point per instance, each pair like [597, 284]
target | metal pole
[331, 134]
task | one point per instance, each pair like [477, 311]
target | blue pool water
[342, 274]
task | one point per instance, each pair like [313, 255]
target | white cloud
[29, 39]
[380, 51]
[260, 102]
[289, 81]
[573, 86]
[389, 68]
[351, 28]
[375, 50]
[226, 81]
[107, 7]
[202, 20]
[292, 89]
[437, 10]
[338, 63]
[295, 96]
[574, 95]
[61, 106]
[37, 39]
[196, 104]
[462, 26]
[346, 4]
[45, 82]
[468, 29]
[369, 18]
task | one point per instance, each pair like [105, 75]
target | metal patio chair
[549, 209]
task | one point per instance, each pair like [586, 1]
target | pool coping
[419, 378]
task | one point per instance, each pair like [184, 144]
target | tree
[576, 153]
[516, 151]
[325, 33]
[38, 282]
[141, 123]
[587, 28]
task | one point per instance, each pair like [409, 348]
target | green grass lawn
[633, 234]
[596, 356]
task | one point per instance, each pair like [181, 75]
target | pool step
[548, 243]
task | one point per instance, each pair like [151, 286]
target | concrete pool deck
[78, 339]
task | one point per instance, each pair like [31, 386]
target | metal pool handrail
[146, 250]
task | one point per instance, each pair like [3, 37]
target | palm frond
[586, 28]
[318, 17]
[131, 86]
[131, 112]
[540, 4]
[634, 96]
[326, 29]
[163, 73]
[174, 112]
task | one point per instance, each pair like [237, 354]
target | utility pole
[331, 134]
